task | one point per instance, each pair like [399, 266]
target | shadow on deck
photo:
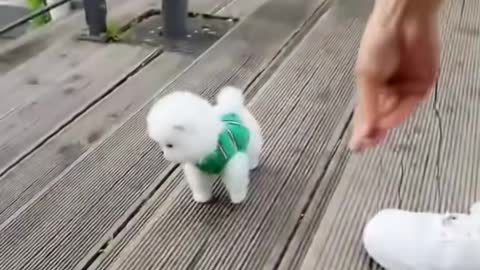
[82, 187]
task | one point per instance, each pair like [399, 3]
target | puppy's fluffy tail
[230, 99]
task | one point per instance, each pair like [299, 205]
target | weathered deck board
[22, 83]
[36, 101]
[430, 163]
[63, 55]
[303, 108]
[71, 92]
[32, 174]
[95, 196]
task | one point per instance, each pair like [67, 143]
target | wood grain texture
[428, 164]
[39, 74]
[57, 102]
[98, 193]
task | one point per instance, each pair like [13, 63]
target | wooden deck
[82, 187]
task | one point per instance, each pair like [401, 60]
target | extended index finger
[365, 131]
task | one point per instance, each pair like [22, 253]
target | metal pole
[175, 18]
[96, 16]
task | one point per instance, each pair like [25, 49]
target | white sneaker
[403, 240]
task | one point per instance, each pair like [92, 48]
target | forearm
[424, 5]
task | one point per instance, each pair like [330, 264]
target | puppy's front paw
[202, 198]
[239, 197]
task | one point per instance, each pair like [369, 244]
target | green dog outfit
[233, 139]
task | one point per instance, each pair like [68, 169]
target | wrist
[396, 11]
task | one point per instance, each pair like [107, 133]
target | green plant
[116, 32]
[35, 5]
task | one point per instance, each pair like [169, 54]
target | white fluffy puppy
[404, 240]
[208, 140]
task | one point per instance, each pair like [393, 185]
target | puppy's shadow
[254, 172]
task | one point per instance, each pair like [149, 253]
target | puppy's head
[185, 126]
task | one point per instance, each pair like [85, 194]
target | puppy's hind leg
[235, 177]
[256, 140]
[200, 183]
[254, 150]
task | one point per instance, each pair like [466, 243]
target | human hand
[397, 65]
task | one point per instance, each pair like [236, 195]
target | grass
[116, 32]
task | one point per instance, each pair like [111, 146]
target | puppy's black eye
[169, 145]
